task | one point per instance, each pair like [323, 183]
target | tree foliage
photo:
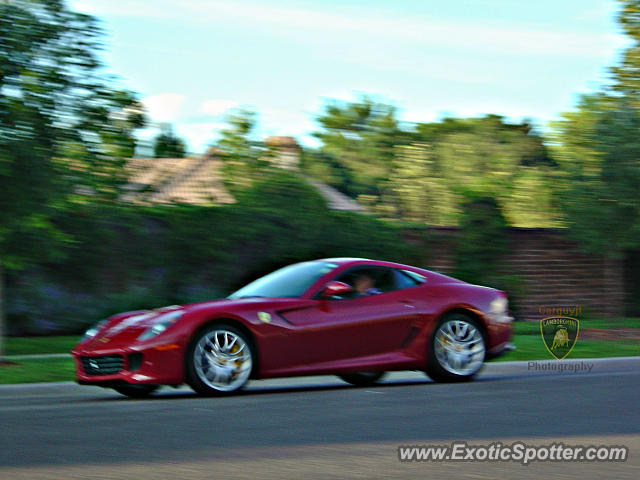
[597, 148]
[168, 145]
[130, 257]
[64, 129]
[599, 156]
[244, 159]
[359, 140]
[481, 246]
[425, 173]
[482, 241]
[626, 74]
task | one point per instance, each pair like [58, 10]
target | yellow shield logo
[559, 335]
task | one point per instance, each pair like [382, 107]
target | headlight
[93, 331]
[498, 306]
[162, 322]
[499, 310]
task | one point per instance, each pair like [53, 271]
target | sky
[194, 61]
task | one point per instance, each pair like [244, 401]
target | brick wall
[554, 271]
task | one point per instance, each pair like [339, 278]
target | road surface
[319, 427]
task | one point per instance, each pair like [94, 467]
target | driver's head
[363, 283]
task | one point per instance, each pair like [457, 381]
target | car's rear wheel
[219, 360]
[136, 391]
[457, 349]
[362, 379]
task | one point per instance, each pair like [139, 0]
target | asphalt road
[319, 427]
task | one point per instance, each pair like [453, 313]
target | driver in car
[364, 285]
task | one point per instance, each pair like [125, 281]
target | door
[374, 321]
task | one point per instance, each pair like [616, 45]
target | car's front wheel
[219, 360]
[457, 350]
[362, 379]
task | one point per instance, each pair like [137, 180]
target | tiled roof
[194, 180]
[197, 180]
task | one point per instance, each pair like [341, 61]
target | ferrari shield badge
[559, 335]
[264, 317]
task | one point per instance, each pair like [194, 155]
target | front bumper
[500, 335]
[157, 364]
[500, 350]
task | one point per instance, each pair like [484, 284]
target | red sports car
[354, 318]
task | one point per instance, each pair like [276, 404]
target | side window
[367, 281]
[404, 279]
[416, 276]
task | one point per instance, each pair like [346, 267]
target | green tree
[244, 159]
[359, 140]
[167, 144]
[598, 151]
[64, 130]
[448, 160]
[626, 75]
[416, 192]
[482, 241]
[422, 174]
[92, 150]
[481, 246]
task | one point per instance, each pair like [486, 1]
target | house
[198, 180]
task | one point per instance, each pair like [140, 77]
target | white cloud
[216, 107]
[199, 135]
[164, 107]
[337, 28]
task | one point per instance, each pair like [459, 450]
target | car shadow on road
[256, 390]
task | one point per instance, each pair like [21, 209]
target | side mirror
[338, 289]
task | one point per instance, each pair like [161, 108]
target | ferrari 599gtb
[354, 318]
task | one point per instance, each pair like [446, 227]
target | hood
[127, 327]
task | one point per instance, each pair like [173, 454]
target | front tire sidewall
[438, 373]
[192, 377]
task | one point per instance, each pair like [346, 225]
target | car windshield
[291, 281]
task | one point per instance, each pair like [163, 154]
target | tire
[362, 379]
[136, 391]
[219, 360]
[457, 349]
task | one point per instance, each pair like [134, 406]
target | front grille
[104, 365]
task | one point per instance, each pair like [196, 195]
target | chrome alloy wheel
[222, 360]
[459, 347]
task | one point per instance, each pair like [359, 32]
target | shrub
[480, 248]
[126, 257]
